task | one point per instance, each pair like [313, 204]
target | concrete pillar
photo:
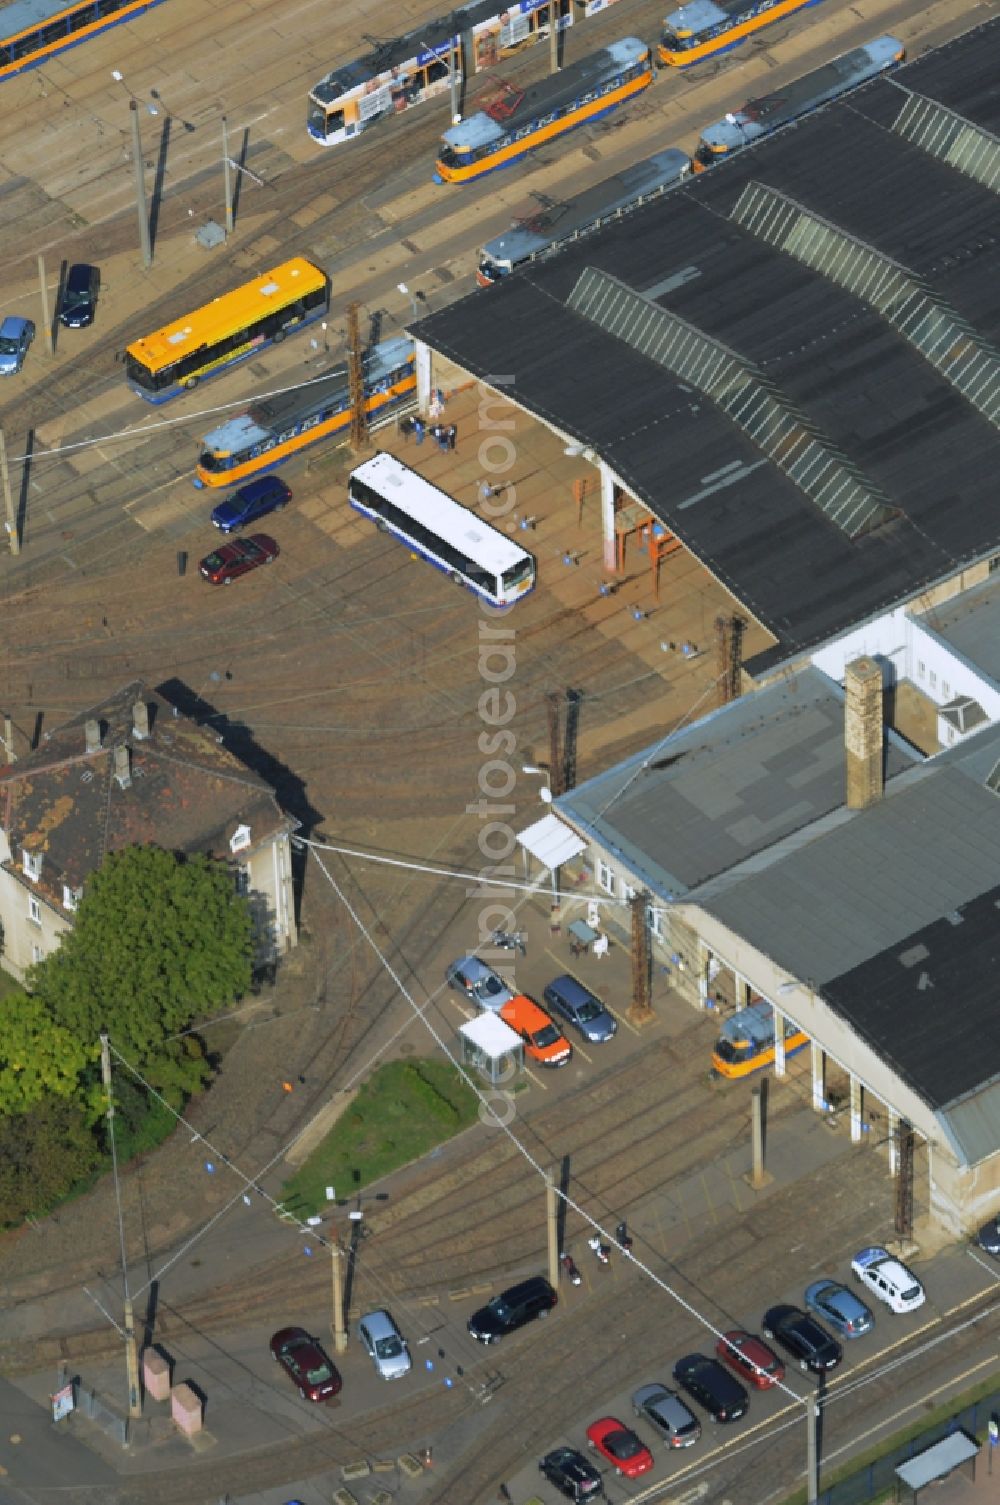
[857, 1093]
[779, 1043]
[892, 1120]
[704, 962]
[818, 1077]
[608, 518]
[863, 734]
[423, 365]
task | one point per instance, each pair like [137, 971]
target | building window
[36, 954]
[71, 896]
[34, 910]
[31, 862]
[946, 689]
[656, 921]
[605, 877]
[921, 670]
[933, 680]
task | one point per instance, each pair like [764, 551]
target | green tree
[37, 1056]
[159, 942]
[44, 1153]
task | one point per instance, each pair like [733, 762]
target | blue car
[582, 1008]
[250, 502]
[16, 335]
[839, 1308]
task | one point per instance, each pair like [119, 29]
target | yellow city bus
[33, 31]
[229, 329]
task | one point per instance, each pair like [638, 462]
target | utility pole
[131, 1351]
[46, 318]
[227, 177]
[8, 499]
[554, 8]
[812, 1461]
[640, 1010]
[356, 380]
[553, 701]
[140, 186]
[454, 63]
[552, 1227]
[337, 1276]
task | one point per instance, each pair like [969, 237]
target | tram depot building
[790, 363]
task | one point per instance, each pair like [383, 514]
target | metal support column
[610, 544]
[818, 1077]
[779, 1043]
[857, 1099]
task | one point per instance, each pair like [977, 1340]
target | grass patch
[403, 1110]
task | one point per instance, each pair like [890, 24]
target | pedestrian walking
[406, 426]
[452, 433]
[418, 430]
[440, 433]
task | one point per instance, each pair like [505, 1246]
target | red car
[237, 558]
[305, 1363]
[751, 1358]
[620, 1446]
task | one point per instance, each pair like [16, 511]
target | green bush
[45, 1154]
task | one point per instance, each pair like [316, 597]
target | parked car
[16, 334]
[620, 1446]
[386, 1345]
[305, 1363]
[510, 1310]
[479, 982]
[542, 1040]
[840, 1308]
[248, 503]
[888, 1278]
[667, 1414]
[802, 1337]
[79, 295]
[712, 1387]
[582, 1008]
[238, 558]
[988, 1237]
[572, 1474]
[751, 1358]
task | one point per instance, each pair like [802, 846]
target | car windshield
[911, 1294]
[319, 1374]
[623, 1444]
[546, 1036]
[389, 1348]
[589, 1010]
[7, 346]
[213, 561]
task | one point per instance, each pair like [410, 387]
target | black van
[512, 1309]
[79, 298]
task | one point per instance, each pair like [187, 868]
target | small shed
[956, 1451]
[551, 842]
[491, 1047]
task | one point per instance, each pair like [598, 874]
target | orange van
[542, 1040]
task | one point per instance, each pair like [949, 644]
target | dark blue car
[250, 502]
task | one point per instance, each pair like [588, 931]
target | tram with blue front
[759, 117]
[594, 207]
[705, 28]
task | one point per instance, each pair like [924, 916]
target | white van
[888, 1279]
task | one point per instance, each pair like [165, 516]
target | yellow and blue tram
[33, 31]
[517, 121]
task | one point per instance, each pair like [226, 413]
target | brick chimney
[92, 731]
[123, 770]
[140, 721]
[863, 735]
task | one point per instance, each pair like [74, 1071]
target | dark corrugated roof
[929, 1005]
[861, 385]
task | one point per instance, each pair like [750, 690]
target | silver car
[386, 1344]
[479, 982]
[667, 1414]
